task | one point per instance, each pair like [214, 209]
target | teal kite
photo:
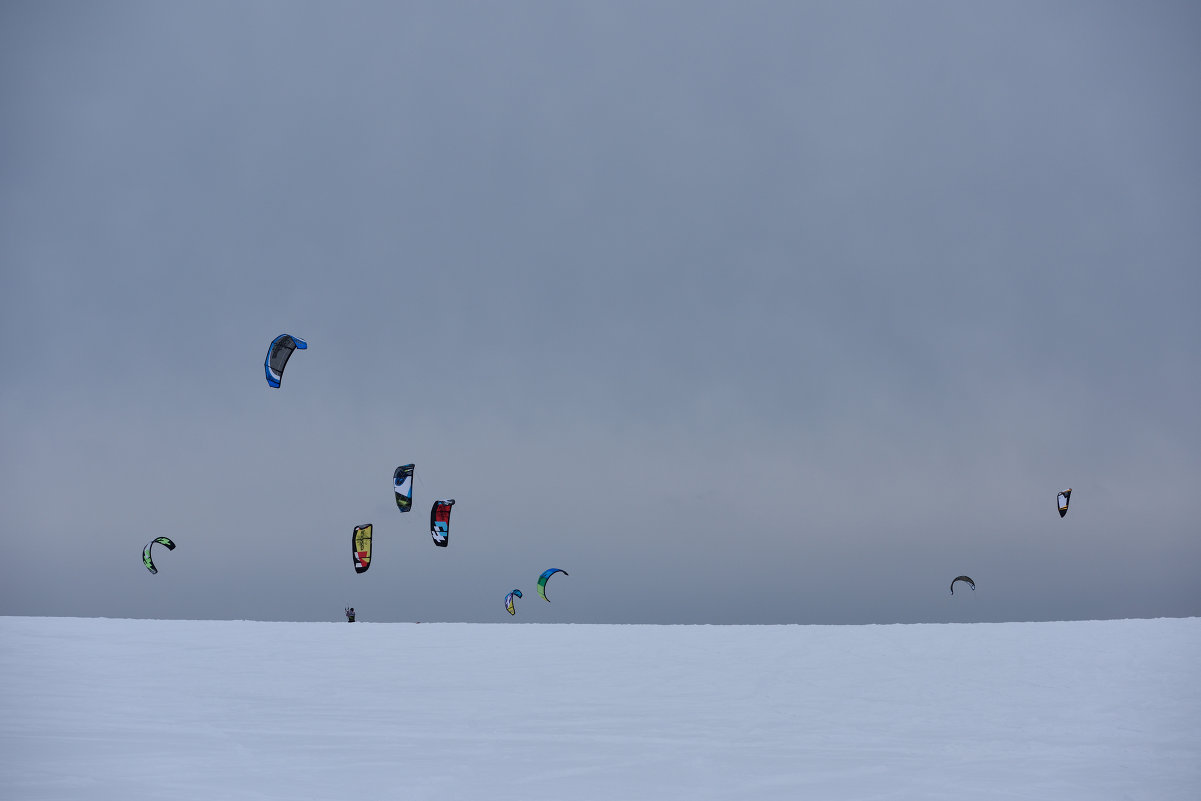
[542, 581]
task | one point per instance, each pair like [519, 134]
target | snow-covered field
[212, 710]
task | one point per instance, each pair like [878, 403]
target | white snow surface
[168, 709]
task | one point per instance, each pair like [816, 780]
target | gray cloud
[753, 313]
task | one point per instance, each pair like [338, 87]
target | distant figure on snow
[350, 614]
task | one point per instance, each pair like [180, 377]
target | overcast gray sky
[738, 312]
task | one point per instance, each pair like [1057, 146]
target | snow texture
[157, 709]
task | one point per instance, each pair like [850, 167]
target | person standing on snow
[350, 614]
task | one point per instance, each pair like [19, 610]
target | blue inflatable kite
[278, 354]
